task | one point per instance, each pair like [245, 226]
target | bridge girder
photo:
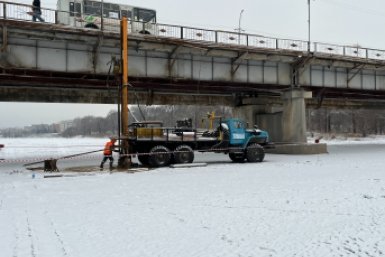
[260, 64]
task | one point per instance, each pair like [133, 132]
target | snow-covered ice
[29, 148]
[289, 205]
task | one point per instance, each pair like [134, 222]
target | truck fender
[251, 140]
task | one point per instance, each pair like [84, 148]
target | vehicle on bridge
[158, 146]
[87, 13]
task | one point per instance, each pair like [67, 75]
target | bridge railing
[349, 51]
[17, 11]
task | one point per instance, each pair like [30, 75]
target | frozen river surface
[316, 205]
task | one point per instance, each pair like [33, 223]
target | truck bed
[185, 136]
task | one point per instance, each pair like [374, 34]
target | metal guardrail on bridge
[16, 11]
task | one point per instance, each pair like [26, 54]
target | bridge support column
[284, 120]
[267, 116]
[293, 116]
[246, 113]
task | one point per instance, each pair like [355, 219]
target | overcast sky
[347, 22]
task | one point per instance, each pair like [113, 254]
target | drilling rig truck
[158, 146]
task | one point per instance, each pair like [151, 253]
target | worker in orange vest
[107, 152]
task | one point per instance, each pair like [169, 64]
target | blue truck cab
[244, 143]
[240, 135]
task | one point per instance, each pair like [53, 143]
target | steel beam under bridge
[37, 57]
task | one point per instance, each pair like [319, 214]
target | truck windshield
[239, 124]
[144, 15]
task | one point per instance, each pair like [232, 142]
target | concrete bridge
[266, 79]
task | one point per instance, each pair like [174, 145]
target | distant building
[63, 125]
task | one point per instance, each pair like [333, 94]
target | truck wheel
[184, 154]
[255, 153]
[159, 156]
[143, 159]
[237, 157]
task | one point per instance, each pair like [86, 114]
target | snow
[343, 140]
[27, 148]
[289, 205]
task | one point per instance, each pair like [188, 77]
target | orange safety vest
[108, 148]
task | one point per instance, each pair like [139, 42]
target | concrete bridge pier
[285, 119]
[266, 114]
[294, 115]
[246, 113]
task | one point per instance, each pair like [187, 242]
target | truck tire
[184, 154]
[143, 159]
[255, 153]
[159, 156]
[237, 157]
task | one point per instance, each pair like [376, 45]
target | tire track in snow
[51, 229]
[11, 188]
[2, 189]
[59, 239]
[29, 229]
[3, 196]
[17, 239]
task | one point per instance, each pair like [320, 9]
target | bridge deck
[43, 57]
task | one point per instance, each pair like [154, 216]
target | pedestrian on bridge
[36, 11]
[108, 149]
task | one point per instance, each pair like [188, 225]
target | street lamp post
[101, 19]
[308, 43]
[239, 27]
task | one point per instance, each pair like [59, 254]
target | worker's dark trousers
[36, 15]
[105, 158]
